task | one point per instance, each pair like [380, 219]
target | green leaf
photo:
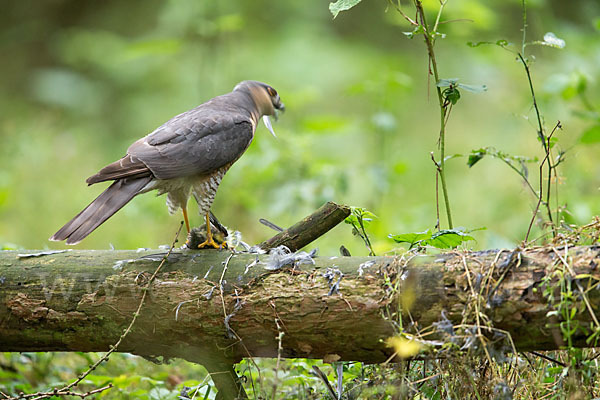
[449, 238]
[445, 239]
[159, 393]
[342, 5]
[452, 94]
[413, 238]
[358, 214]
[591, 135]
[516, 162]
[476, 156]
[450, 157]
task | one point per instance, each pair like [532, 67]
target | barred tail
[103, 207]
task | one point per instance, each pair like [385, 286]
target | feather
[103, 207]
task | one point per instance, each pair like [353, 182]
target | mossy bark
[341, 308]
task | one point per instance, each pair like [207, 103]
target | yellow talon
[210, 242]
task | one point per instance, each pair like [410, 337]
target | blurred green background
[81, 80]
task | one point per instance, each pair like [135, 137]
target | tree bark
[209, 306]
[310, 228]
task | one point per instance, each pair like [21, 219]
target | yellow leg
[209, 242]
[185, 218]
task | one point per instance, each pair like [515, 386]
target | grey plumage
[189, 154]
[103, 207]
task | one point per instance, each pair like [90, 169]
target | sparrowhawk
[187, 155]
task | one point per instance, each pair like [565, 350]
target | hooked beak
[267, 122]
[278, 108]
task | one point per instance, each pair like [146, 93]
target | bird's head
[266, 99]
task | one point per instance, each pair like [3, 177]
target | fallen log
[217, 304]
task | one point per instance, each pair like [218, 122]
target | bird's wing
[196, 142]
[128, 166]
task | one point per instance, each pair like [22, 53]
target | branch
[339, 308]
[310, 228]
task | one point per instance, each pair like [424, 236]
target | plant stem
[365, 236]
[524, 7]
[535, 106]
[547, 146]
[540, 196]
[442, 141]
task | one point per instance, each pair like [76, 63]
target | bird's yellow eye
[271, 91]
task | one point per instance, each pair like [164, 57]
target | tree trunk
[207, 306]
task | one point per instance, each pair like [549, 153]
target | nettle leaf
[412, 238]
[449, 238]
[444, 239]
[342, 5]
[476, 156]
[591, 135]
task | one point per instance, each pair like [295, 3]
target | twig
[476, 299]
[515, 255]
[406, 17]
[545, 357]
[225, 265]
[365, 236]
[437, 192]
[279, 338]
[540, 195]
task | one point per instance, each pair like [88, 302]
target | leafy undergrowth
[461, 376]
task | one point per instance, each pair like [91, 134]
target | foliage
[360, 218]
[342, 5]
[81, 83]
[444, 239]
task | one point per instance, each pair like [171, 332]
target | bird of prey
[187, 155]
